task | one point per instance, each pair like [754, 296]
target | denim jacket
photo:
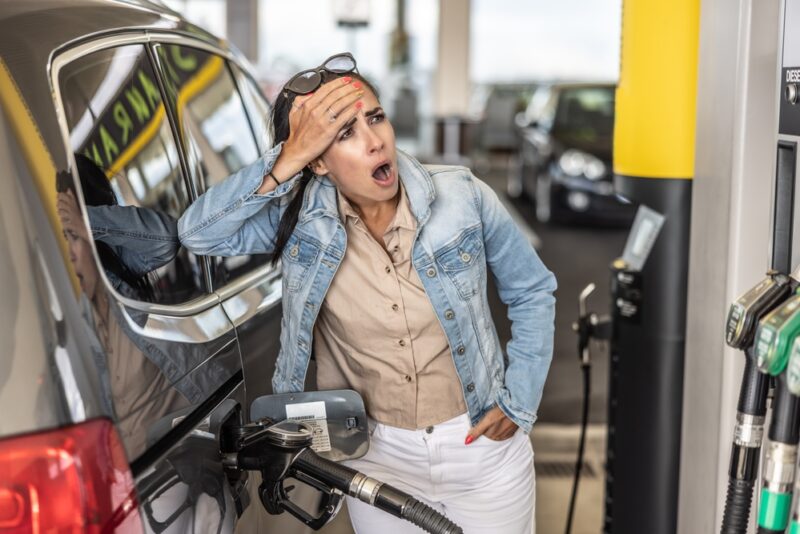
[462, 229]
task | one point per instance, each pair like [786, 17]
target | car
[497, 105]
[125, 360]
[564, 162]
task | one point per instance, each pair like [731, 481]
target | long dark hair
[280, 133]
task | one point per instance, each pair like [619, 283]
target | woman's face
[80, 253]
[362, 160]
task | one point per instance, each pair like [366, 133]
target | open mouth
[383, 172]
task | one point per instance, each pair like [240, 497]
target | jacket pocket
[464, 263]
[298, 255]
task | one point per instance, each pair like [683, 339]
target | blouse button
[388, 269]
[402, 342]
[395, 307]
[407, 378]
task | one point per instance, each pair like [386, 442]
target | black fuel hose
[581, 446]
[373, 492]
[746, 449]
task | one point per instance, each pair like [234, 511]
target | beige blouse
[377, 332]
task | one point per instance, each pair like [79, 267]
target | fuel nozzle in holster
[589, 326]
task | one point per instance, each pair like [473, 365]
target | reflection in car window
[119, 131]
[257, 108]
[214, 129]
[586, 113]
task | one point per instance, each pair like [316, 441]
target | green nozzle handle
[793, 369]
[775, 336]
[773, 514]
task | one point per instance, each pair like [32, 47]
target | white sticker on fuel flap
[314, 415]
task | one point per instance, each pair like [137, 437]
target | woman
[384, 271]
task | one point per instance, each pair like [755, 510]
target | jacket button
[294, 252]
[461, 350]
[471, 388]
[431, 272]
[429, 430]
[449, 314]
[465, 257]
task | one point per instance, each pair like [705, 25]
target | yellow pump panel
[654, 131]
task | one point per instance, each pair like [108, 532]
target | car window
[213, 127]
[586, 113]
[127, 162]
[258, 110]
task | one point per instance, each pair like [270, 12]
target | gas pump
[775, 337]
[743, 318]
[772, 349]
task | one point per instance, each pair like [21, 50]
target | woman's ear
[318, 167]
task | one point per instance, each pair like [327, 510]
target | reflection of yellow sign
[135, 116]
[37, 156]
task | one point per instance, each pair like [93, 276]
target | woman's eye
[378, 118]
[346, 133]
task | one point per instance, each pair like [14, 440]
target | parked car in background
[495, 106]
[565, 157]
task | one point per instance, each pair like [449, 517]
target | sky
[510, 40]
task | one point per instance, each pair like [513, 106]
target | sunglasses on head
[306, 81]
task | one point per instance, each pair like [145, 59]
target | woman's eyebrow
[367, 114]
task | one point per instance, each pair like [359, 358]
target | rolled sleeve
[231, 218]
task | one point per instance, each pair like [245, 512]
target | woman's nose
[374, 141]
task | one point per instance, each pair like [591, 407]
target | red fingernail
[469, 440]
[359, 104]
[357, 85]
[347, 79]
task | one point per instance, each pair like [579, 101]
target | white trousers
[486, 487]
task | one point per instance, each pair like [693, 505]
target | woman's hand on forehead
[316, 118]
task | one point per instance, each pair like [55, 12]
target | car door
[222, 126]
[170, 367]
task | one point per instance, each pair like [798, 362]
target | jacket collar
[320, 197]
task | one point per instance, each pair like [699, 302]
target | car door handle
[202, 327]
[252, 294]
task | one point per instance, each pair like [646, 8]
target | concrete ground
[577, 256]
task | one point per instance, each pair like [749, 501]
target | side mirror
[337, 418]
[522, 121]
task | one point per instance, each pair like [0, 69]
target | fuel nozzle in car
[283, 450]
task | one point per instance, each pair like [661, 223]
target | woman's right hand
[314, 121]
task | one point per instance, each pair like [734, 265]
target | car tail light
[72, 480]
